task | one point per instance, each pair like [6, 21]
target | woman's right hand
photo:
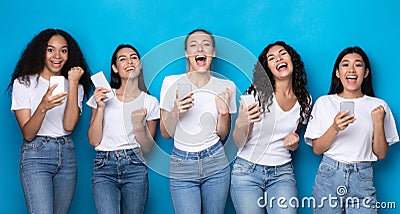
[100, 94]
[341, 121]
[49, 101]
[184, 103]
[248, 115]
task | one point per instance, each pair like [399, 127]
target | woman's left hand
[138, 116]
[378, 115]
[222, 100]
[291, 141]
[75, 74]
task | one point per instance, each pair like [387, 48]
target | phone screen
[347, 105]
[184, 89]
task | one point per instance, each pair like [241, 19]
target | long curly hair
[116, 79]
[336, 84]
[264, 90]
[32, 60]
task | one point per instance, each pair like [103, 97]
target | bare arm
[144, 134]
[323, 143]
[244, 123]
[169, 119]
[379, 145]
[72, 111]
[30, 125]
[95, 132]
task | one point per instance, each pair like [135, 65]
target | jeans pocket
[326, 170]
[286, 169]
[366, 174]
[35, 145]
[175, 161]
[241, 168]
[98, 163]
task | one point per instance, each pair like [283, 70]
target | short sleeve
[390, 126]
[314, 127]
[20, 98]
[153, 109]
[232, 104]
[167, 94]
[92, 102]
[81, 94]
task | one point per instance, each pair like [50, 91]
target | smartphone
[184, 88]
[247, 100]
[347, 105]
[100, 80]
[61, 83]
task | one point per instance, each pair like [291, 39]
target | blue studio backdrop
[318, 30]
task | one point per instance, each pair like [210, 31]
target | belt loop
[337, 165]
[356, 167]
[253, 166]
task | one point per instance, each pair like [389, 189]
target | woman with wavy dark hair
[48, 164]
[268, 130]
[349, 146]
[121, 129]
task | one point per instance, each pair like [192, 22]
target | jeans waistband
[260, 166]
[61, 139]
[197, 155]
[342, 165]
[119, 153]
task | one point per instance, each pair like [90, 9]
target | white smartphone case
[100, 80]
[61, 84]
[247, 99]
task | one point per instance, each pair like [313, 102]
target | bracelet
[223, 114]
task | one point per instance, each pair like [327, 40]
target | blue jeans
[199, 181]
[48, 174]
[120, 181]
[257, 188]
[344, 188]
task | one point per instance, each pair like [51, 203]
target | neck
[284, 87]
[129, 88]
[199, 79]
[351, 94]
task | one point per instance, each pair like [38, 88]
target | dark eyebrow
[283, 49]
[65, 46]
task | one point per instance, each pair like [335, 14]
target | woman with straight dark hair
[352, 129]
[121, 129]
[47, 163]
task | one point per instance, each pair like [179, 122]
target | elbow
[317, 151]
[69, 127]
[381, 156]
[165, 135]
[29, 138]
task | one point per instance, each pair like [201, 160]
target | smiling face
[199, 51]
[127, 63]
[351, 72]
[56, 56]
[280, 62]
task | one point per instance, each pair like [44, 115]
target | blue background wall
[318, 30]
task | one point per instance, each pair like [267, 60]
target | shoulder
[225, 82]
[173, 78]
[150, 98]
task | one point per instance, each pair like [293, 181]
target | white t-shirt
[197, 128]
[354, 144]
[29, 97]
[118, 130]
[265, 145]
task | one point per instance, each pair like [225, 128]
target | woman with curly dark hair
[46, 119]
[266, 131]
